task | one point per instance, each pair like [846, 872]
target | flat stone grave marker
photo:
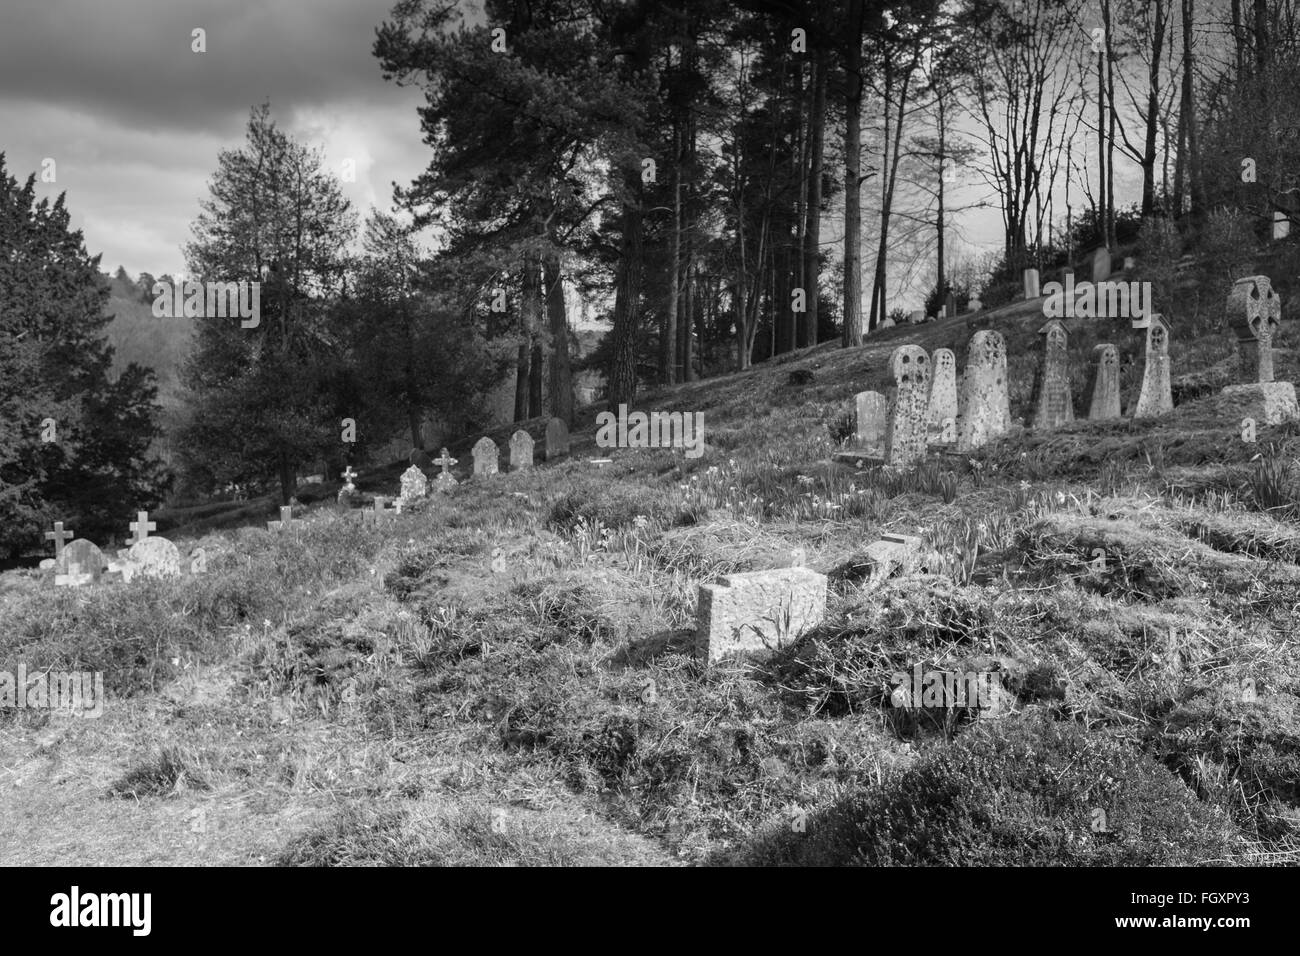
[757, 610]
[521, 451]
[486, 457]
[81, 563]
[557, 438]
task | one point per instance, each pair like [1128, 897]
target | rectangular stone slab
[758, 610]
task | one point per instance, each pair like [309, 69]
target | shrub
[1019, 793]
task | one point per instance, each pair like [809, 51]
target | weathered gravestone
[1099, 264]
[950, 306]
[284, 524]
[1104, 401]
[985, 401]
[1254, 313]
[974, 305]
[348, 494]
[487, 457]
[888, 323]
[154, 558]
[557, 438]
[1054, 405]
[916, 317]
[892, 554]
[1032, 290]
[905, 436]
[414, 484]
[521, 451]
[1156, 397]
[942, 407]
[871, 422]
[80, 563]
[756, 610]
[445, 480]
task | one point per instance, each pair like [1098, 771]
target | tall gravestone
[486, 457]
[871, 421]
[950, 306]
[1054, 405]
[1156, 397]
[557, 438]
[1254, 313]
[521, 451]
[985, 399]
[905, 436]
[1100, 264]
[1032, 290]
[81, 562]
[942, 407]
[1103, 403]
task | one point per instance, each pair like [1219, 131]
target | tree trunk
[668, 335]
[523, 380]
[813, 230]
[1109, 239]
[561, 384]
[622, 378]
[852, 334]
[1153, 109]
[942, 196]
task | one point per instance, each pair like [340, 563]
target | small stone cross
[141, 527]
[446, 461]
[58, 536]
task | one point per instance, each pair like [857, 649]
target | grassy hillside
[505, 676]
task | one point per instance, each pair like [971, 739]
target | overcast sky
[133, 119]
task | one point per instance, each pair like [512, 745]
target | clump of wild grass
[164, 773]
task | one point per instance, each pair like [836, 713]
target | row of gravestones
[415, 484]
[923, 409]
[1098, 263]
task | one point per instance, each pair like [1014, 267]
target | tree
[257, 400]
[54, 371]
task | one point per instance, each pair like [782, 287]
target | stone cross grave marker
[905, 436]
[758, 610]
[486, 457]
[1254, 312]
[81, 563]
[1055, 405]
[1156, 397]
[58, 536]
[871, 421]
[445, 480]
[140, 528]
[557, 438]
[942, 407]
[521, 451]
[985, 400]
[1031, 284]
[285, 522]
[1104, 402]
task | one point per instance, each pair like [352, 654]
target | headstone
[905, 436]
[933, 318]
[1031, 284]
[445, 480]
[521, 451]
[870, 421]
[1254, 313]
[888, 323]
[286, 520]
[974, 305]
[155, 558]
[58, 536]
[141, 527]
[893, 553]
[414, 484]
[557, 438]
[1268, 403]
[950, 306]
[1129, 263]
[916, 317]
[1281, 224]
[348, 494]
[486, 457]
[1100, 264]
[1156, 397]
[1104, 401]
[985, 400]
[80, 563]
[1054, 406]
[942, 404]
[755, 610]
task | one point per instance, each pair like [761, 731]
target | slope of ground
[504, 676]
